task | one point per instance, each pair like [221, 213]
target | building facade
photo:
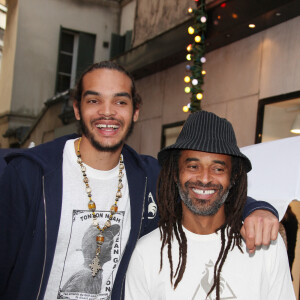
[47, 45]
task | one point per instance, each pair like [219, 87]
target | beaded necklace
[95, 265]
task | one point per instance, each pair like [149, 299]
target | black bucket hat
[204, 131]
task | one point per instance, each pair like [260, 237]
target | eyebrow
[221, 162]
[121, 94]
[192, 159]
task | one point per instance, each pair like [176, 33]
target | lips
[203, 192]
[107, 126]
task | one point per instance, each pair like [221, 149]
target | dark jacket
[30, 209]
[31, 200]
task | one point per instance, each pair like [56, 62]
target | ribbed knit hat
[204, 131]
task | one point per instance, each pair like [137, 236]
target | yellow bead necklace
[95, 265]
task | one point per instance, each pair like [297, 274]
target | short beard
[85, 131]
[210, 210]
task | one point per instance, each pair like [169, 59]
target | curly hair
[170, 209]
[136, 99]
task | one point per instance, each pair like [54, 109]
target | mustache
[105, 119]
[199, 184]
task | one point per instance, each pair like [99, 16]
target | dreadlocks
[170, 209]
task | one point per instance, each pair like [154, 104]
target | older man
[198, 251]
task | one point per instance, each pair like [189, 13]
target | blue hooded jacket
[31, 200]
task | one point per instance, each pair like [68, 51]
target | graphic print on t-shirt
[77, 281]
[207, 280]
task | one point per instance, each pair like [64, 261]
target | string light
[187, 79]
[199, 96]
[203, 59]
[203, 19]
[191, 30]
[194, 81]
[197, 39]
[185, 108]
[187, 89]
[195, 56]
[189, 48]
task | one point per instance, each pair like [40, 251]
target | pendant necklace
[95, 265]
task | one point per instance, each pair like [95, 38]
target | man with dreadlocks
[198, 251]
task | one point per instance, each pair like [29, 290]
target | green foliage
[198, 52]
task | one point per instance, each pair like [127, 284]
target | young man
[198, 252]
[73, 209]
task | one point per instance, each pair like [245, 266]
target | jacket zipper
[45, 254]
[139, 231]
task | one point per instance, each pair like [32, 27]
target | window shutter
[86, 51]
[117, 45]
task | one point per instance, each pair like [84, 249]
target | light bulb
[191, 30]
[189, 47]
[199, 96]
[189, 57]
[190, 10]
[203, 59]
[187, 89]
[197, 39]
[185, 108]
[194, 82]
[203, 72]
[203, 19]
[187, 79]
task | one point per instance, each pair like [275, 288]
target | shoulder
[45, 156]
[146, 162]
[149, 241]
[274, 253]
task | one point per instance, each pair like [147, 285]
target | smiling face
[204, 181]
[106, 110]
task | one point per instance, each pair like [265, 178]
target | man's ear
[136, 114]
[76, 109]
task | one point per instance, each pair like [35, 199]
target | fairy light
[199, 96]
[194, 81]
[185, 108]
[187, 79]
[191, 30]
[187, 89]
[197, 38]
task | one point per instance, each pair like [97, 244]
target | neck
[100, 160]
[202, 224]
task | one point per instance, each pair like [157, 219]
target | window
[170, 133]
[277, 116]
[120, 43]
[76, 53]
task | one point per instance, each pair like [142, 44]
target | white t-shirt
[71, 276]
[262, 276]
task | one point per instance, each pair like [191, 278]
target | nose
[204, 176]
[106, 109]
